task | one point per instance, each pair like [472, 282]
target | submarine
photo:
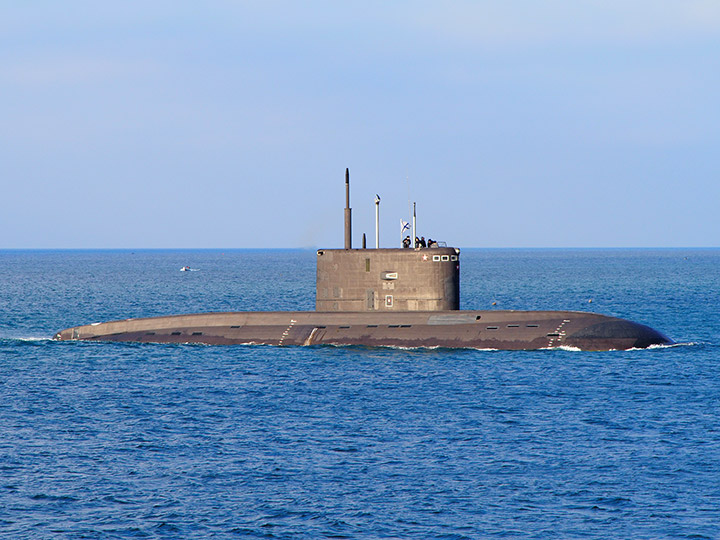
[384, 297]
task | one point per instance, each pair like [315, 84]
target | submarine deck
[454, 329]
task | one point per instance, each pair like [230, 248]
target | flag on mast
[404, 226]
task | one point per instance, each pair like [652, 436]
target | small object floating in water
[186, 269]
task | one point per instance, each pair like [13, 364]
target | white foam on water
[27, 339]
[666, 346]
[401, 347]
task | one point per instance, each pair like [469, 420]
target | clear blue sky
[229, 124]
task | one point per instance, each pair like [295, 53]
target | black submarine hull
[502, 330]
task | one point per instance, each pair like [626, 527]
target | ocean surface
[110, 440]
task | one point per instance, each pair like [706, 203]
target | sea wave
[665, 346]
[26, 339]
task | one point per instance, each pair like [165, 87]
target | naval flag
[404, 226]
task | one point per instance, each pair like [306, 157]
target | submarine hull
[503, 330]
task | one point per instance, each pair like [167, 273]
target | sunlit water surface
[108, 440]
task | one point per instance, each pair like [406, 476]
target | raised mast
[348, 212]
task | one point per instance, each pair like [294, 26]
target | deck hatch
[453, 318]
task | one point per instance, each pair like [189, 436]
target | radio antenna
[348, 212]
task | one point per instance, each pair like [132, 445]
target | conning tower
[423, 279]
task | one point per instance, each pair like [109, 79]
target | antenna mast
[348, 212]
[414, 227]
[377, 221]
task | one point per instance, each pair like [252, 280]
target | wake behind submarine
[379, 298]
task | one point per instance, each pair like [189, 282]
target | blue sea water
[111, 440]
